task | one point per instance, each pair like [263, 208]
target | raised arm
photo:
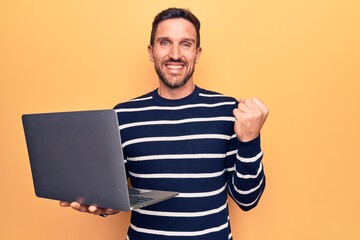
[246, 178]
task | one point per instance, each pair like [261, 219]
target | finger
[103, 211]
[250, 103]
[98, 211]
[243, 108]
[77, 206]
[92, 209]
[84, 208]
[111, 211]
[64, 204]
[261, 105]
[258, 108]
[237, 113]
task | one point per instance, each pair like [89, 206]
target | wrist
[249, 148]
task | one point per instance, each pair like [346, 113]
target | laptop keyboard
[138, 199]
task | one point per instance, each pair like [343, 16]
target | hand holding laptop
[77, 158]
[88, 209]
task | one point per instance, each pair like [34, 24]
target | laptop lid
[77, 156]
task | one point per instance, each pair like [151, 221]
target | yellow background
[302, 58]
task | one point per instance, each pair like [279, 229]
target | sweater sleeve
[246, 178]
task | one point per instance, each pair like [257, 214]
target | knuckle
[258, 113]
[267, 111]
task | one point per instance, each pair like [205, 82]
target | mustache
[171, 60]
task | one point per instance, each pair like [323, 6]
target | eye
[186, 44]
[164, 43]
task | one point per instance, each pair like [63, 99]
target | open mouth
[174, 67]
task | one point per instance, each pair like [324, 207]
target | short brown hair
[175, 13]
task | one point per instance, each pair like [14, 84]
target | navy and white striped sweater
[188, 146]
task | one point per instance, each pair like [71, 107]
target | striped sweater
[188, 146]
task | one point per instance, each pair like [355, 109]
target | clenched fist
[250, 116]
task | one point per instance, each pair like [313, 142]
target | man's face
[174, 52]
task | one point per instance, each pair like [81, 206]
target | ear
[151, 53]
[198, 53]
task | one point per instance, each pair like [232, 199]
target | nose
[175, 52]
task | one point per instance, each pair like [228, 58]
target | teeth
[174, 66]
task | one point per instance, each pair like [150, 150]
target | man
[182, 138]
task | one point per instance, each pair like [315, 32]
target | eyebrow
[182, 40]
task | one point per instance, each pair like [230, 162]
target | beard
[174, 84]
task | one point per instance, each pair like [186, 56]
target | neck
[177, 93]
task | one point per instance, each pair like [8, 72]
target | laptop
[77, 156]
